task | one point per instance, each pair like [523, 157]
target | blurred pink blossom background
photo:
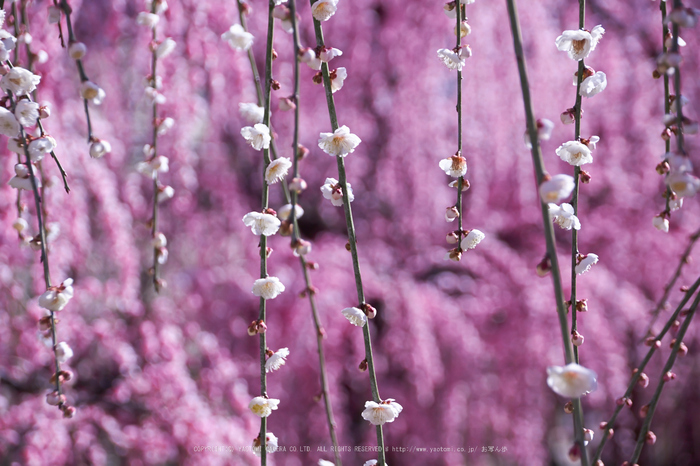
[462, 346]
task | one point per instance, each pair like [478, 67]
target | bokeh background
[462, 346]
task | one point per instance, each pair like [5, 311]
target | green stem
[262, 315]
[548, 227]
[657, 394]
[351, 239]
[154, 219]
[635, 378]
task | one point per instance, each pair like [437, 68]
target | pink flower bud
[576, 338]
[643, 380]
[451, 213]
[650, 438]
[54, 399]
[668, 376]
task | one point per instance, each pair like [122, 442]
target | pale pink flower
[572, 380]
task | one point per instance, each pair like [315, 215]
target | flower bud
[650, 438]
[576, 338]
[569, 407]
[582, 305]
[568, 116]
[77, 50]
[544, 267]
[363, 365]
[643, 380]
[452, 238]
[44, 111]
[99, 148]
[68, 412]
[587, 435]
[54, 14]
[287, 103]
[54, 399]
[451, 213]
[668, 376]
[454, 254]
[369, 310]
[574, 453]
[297, 185]
[643, 411]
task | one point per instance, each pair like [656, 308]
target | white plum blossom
[261, 224]
[564, 216]
[63, 352]
[271, 444]
[557, 188]
[27, 113]
[575, 153]
[277, 170]
[455, 166]
[19, 81]
[263, 407]
[592, 142]
[585, 263]
[286, 210]
[329, 53]
[154, 166]
[331, 190]
[544, 131]
[252, 113]
[160, 241]
[338, 77]
[683, 184]
[20, 225]
[322, 10]
[22, 180]
[165, 48]
[258, 136]
[572, 380]
[579, 43]
[147, 19]
[99, 148]
[92, 92]
[355, 316]
[268, 288]
[165, 193]
[380, 413]
[54, 15]
[678, 163]
[341, 142]
[675, 204]
[7, 44]
[57, 297]
[165, 126]
[277, 360]
[473, 238]
[40, 147]
[238, 38]
[661, 223]
[9, 126]
[77, 50]
[451, 59]
[593, 85]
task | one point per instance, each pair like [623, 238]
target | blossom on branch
[268, 288]
[579, 43]
[322, 10]
[564, 216]
[575, 153]
[263, 407]
[261, 223]
[238, 38]
[340, 143]
[258, 136]
[381, 413]
[572, 380]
